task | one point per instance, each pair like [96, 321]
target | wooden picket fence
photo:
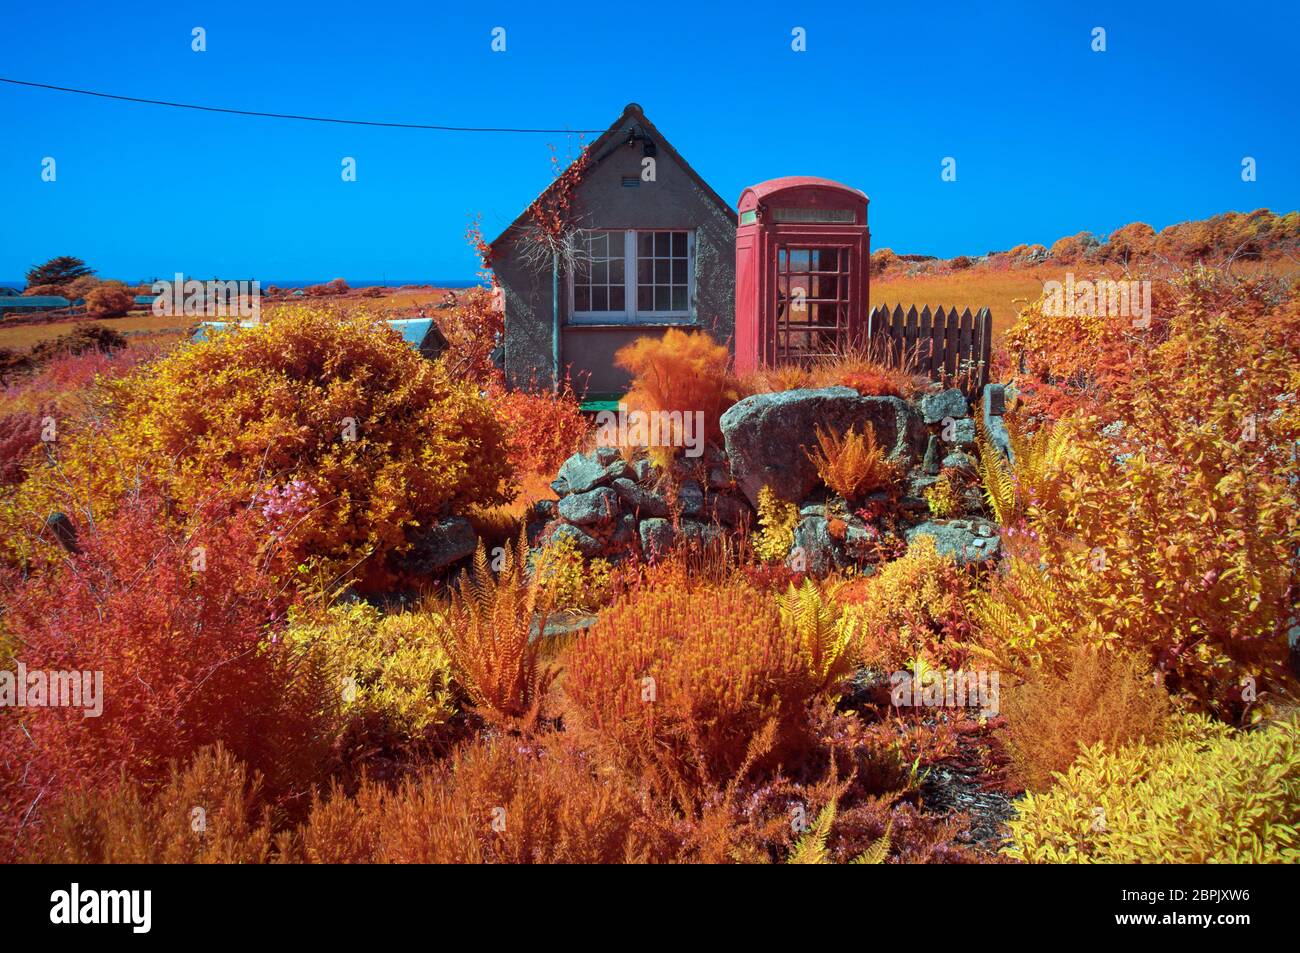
[947, 346]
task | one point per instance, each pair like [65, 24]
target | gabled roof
[632, 116]
[37, 301]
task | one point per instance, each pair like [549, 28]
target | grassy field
[23, 336]
[1006, 292]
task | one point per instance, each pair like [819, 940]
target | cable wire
[264, 115]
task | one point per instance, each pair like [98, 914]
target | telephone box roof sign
[802, 276]
[803, 198]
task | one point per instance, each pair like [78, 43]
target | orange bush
[682, 371]
[853, 464]
[332, 427]
[680, 682]
[109, 300]
[494, 801]
[543, 428]
[211, 812]
[1099, 697]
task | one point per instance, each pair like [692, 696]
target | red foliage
[543, 428]
[187, 653]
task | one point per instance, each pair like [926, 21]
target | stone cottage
[653, 247]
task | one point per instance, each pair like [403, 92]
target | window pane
[679, 244]
[661, 299]
[645, 244]
[679, 271]
[599, 273]
[599, 299]
[645, 271]
[616, 271]
[616, 299]
[679, 299]
[581, 298]
[645, 299]
[663, 269]
[662, 244]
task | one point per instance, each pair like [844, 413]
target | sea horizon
[303, 283]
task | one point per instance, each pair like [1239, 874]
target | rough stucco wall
[673, 200]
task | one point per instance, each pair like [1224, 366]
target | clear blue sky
[1050, 137]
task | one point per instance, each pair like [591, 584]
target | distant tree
[80, 287]
[1074, 248]
[36, 291]
[109, 300]
[1132, 243]
[58, 271]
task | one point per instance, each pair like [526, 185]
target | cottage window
[633, 276]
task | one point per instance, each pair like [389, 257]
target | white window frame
[630, 314]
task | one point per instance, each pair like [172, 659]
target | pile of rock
[609, 506]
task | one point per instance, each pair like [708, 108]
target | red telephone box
[802, 275]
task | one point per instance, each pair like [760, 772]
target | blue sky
[1049, 137]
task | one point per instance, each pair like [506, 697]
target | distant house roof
[37, 301]
[423, 334]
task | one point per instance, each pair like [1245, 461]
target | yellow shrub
[826, 636]
[1206, 795]
[340, 434]
[915, 606]
[567, 580]
[942, 498]
[777, 520]
[389, 669]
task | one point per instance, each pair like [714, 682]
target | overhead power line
[250, 112]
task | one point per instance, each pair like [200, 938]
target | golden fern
[996, 479]
[811, 847]
[825, 637]
[487, 634]
[1012, 490]
[877, 852]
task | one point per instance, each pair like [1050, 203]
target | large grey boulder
[967, 541]
[766, 435]
[656, 537]
[995, 429]
[584, 471]
[639, 499]
[592, 508]
[813, 549]
[583, 541]
[947, 403]
[439, 546]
